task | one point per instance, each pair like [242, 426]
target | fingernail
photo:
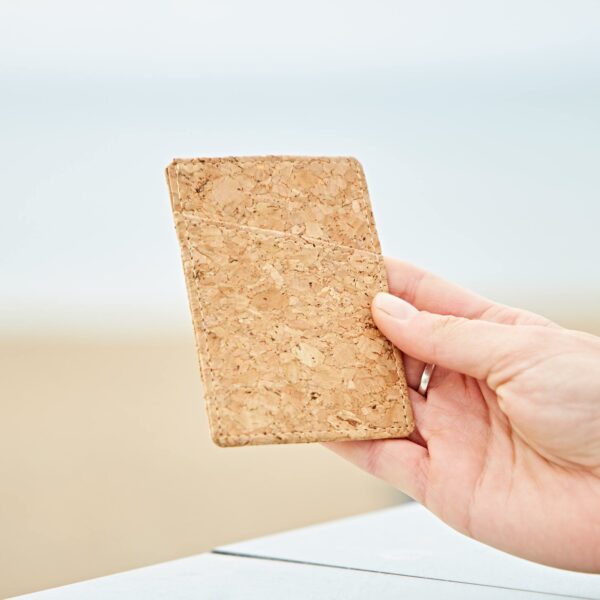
[393, 306]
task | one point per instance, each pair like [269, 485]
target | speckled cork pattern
[282, 260]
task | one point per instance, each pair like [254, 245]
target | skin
[507, 443]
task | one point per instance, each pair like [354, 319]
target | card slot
[193, 217]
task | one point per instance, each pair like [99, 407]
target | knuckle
[446, 325]
[439, 337]
[442, 330]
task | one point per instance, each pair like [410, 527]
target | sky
[478, 125]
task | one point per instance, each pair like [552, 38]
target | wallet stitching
[370, 224]
[212, 401]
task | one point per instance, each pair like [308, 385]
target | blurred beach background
[477, 123]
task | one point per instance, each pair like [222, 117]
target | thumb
[480, 349]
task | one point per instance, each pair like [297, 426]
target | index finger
[426, 291]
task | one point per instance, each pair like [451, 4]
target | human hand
[507, 445]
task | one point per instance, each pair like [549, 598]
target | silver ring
[426, 378]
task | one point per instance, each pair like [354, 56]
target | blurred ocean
[478, 126]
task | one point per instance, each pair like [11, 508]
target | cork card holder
[282, 260]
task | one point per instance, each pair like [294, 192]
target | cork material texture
[282, 260]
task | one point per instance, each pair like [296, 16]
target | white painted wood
[409, 540]
[213, 576]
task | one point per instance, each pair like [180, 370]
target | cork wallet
[282, 260]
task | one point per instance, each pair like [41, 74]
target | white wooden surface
[397, 553]
[409, 540]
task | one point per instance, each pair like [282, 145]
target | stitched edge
[371, 226]
[331, 435]
[211, 396]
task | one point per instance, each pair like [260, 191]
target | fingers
[428, 292]
[413, 369]
[472, 347]
[401, 463]
[419, 408]
[433, 294]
